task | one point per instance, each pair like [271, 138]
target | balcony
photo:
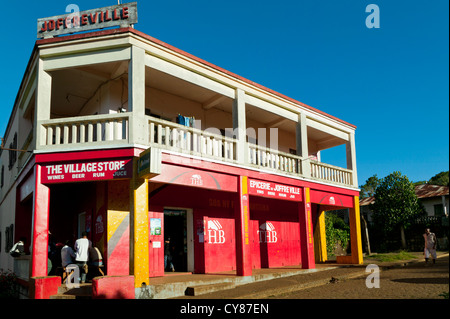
[113, 131]
[131, 94]
[85, 132]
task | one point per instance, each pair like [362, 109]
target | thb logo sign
[216, 234]
[267, 233]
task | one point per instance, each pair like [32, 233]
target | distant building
[434, 198]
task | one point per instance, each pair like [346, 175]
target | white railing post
[240, 127]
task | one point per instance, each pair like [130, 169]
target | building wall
[274, 228]
[7, 218]
[108, 98]
[429, 203]
[8, 192]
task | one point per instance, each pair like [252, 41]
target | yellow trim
[307, 196]
[320, 239]
[244, 185]
[355, 232]
[308, 216]
[246, 216]
[140, 235]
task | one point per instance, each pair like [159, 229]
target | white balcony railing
[273, 159]
[180, 138]
[109, 129]
[331, 173]
[112, 130]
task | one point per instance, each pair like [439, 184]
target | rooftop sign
[123, 15]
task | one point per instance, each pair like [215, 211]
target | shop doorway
[178, 227]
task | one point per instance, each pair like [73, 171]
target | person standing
[430, 245]
[168, 255]
[67, 254]
[82, 246]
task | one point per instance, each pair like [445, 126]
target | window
[438, 210]
[2, 177]
[13, 154]
[9, 234]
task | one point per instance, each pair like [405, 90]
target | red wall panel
[220, 244]
[275, 233]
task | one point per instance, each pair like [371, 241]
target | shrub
[337, 233]
[8, 288]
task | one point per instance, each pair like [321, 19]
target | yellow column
[320, 240]
[355, 232]
[139, 232]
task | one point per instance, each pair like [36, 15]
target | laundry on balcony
[186, 120]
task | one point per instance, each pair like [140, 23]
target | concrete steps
[205, 289]
[84, 291]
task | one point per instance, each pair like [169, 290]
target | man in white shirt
[82, 246]
[430, 245]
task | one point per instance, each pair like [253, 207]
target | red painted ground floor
[218, 217]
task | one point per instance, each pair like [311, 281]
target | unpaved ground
[416, 281]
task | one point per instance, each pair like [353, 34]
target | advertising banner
[122, 15]
[87, 171]
[274, 190]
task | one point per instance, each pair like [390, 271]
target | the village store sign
[123, 15]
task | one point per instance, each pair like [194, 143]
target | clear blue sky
[391, 82]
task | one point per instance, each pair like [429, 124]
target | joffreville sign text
[123, 15]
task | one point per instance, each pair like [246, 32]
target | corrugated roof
[366, 201]
[422, 191]
[427, 190]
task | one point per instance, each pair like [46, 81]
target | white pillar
[240, 127]
[351, 157]
[43, 102]
[302, 145]
[444, 204]
[136, 97]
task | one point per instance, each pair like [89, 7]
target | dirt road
[415, 281]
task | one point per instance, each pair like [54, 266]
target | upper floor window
[12, 152]
[2, 177]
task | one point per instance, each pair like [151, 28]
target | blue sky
[391, 82]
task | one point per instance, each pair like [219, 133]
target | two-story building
[134, 141]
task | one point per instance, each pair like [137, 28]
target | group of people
[82, 253]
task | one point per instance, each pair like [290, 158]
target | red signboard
[274, 190]
[180, 175]
[332, 199]
[87, 171]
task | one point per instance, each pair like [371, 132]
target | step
[68, 296]
[83, 291]
[204, 289]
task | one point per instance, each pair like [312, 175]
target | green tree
[396, 205]
[368, 189]
[440, 179]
